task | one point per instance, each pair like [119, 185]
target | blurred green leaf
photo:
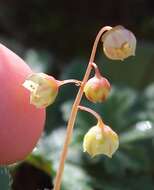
[146, 104]
[75, 178]
[117, 111]
[5, 179]
[141, 131]
[39, 162]
[129, 182]
[37, 60]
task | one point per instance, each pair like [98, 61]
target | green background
[56, 37]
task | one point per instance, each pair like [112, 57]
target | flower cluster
[40, 90]
[118, 44]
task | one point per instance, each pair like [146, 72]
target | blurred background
[56, 37]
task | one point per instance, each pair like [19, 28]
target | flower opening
[101, 139]
[43, 89]
[119, 43]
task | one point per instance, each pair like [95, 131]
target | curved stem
[97, 71]
[74, 111]
[77, 82]
[102, 30]
[95, 114]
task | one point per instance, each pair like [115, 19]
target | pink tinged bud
[43, 89]
[21, 124]
[101, 140]
[119, 43]
[97, 89]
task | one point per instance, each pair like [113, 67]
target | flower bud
[119, 43]
[43, 88]
[97, 89]
[101, 139]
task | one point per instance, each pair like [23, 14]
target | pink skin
[21, 124]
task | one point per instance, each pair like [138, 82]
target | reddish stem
[95, 114]
[77, 82]
[74, 111]
[97, 71]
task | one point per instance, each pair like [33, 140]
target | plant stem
[95, 114]
[97, 71]
[74, 111]
[77, 82]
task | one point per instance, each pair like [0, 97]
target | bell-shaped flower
[101, 139]
[119, 43]
[43, 89]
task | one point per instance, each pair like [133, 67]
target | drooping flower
[97, 89]
[119, 43]
[43, 89]
[101, 139]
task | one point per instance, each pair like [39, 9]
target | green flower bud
[43, 89]
[97, 89]
[101, 139]
[119, 43]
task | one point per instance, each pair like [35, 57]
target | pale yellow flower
[43, 89]
[119, 43]
[101, 139]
